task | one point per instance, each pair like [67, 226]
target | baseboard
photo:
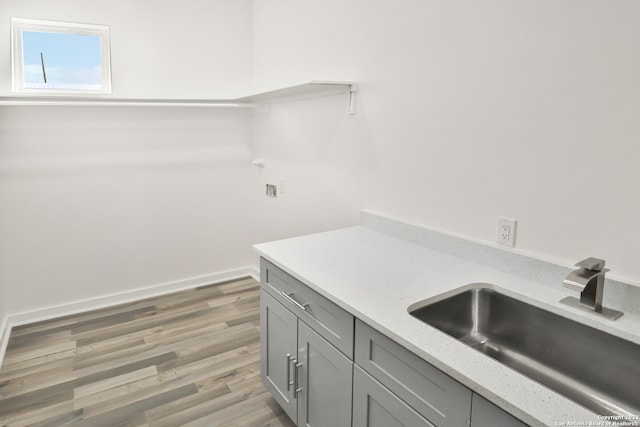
[254, 273]
[81, 306]
[5, 331]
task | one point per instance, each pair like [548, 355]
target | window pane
[68, 61]
[60, 58]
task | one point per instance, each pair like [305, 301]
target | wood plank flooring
[190, 358]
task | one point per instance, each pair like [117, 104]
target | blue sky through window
[70, 59]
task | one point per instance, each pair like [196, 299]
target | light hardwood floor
[189, 358]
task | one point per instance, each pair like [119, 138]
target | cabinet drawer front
[374, 405]
[433, 394]
[327, 319]
[486, 414]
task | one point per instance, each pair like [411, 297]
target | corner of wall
[5, 331]
[254, 273]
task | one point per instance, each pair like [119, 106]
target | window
[60, 58]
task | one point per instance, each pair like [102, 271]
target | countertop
[376, 276]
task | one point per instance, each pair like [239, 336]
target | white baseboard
[89, 304]
[255, 273]
[5, 331]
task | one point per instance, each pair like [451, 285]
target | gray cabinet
[433, 394]
[324, 382]
[305, 341]
[374, 405]
[486, 414]
[308, 365]
[278, 339]
[332, 322]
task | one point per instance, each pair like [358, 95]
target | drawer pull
[296, 389]
[289, 360]
[289, 296]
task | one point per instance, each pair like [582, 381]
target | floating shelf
[50, 101]
[301, 91]
[306, 90]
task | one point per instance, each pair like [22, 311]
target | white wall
[98, 201]
[467, 110]
[323, 174]
[159, 49]
[470, 110]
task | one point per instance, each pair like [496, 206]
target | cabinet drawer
[486, 414]
[374, 405]
[327, 319]
[433, 394]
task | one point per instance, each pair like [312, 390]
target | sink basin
[594, 369]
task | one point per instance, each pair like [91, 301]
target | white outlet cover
[506, 231]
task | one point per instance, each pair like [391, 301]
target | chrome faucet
[588, 279]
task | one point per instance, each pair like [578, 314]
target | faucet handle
[593, 264]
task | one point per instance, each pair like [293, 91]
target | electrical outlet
[506, 232]
[272, 190]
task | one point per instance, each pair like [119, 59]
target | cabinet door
[486, 414]
[432, 393]
[375, 406]
[325, 379]
[278, 334]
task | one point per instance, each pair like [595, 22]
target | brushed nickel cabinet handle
[296, 377]
[289, 360]
[289, 297]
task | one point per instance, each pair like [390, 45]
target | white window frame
[18, 25]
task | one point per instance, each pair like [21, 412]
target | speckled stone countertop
[378, 269]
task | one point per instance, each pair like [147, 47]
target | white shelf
[56, 101]
[301, 91]
[306, 90]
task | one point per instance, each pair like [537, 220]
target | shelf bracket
[351, 106]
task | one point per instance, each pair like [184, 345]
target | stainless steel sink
[595, 369]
